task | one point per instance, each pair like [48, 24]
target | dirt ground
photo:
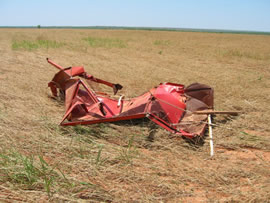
[41, 161]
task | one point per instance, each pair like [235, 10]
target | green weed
[33, 45]
[47, 175]
[33, 173]
[105, 42]
[251, 140]
[129, 153]
[26, 171]
[98, 159]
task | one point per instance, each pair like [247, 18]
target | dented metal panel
[169, 105]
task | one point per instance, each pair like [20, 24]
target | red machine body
[169, 105]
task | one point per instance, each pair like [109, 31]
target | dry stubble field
[41, 161]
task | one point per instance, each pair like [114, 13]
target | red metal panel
[170, 97]
[104, 120]
[165, 105]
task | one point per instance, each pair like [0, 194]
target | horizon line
[140, 28]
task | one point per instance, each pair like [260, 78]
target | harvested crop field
[42, 161]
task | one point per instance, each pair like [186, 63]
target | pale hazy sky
[252, 15]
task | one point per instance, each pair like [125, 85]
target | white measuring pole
[210, 135]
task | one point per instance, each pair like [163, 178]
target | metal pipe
[54, 64]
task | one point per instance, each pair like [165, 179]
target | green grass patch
[34, 173]
[128, 153]
[252, 140]
[244, 54]
[105, 42]
[162, 42]
[33, 45]
[95, 131]
[26, 171]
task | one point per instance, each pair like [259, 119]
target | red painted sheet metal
[171, 98]
[166, 105]
[103, 120]
[165, 101]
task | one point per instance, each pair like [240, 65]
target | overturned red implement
[169, 105]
